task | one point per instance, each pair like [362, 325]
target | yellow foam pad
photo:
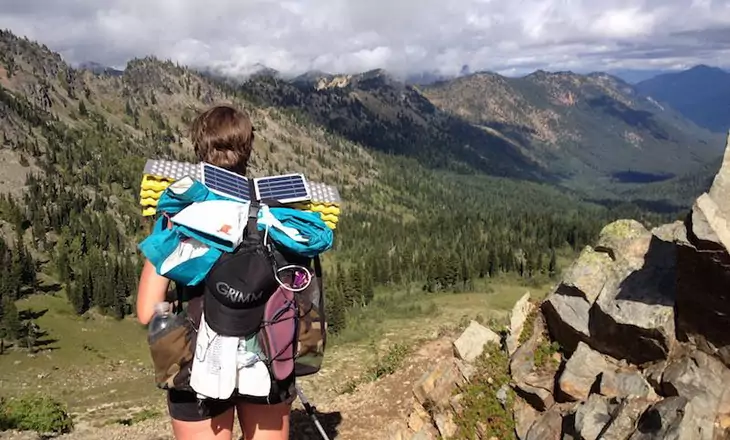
[152, 188]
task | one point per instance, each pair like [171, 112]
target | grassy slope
[100, 367]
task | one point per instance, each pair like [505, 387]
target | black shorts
[185, 405]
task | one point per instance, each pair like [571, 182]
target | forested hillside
[73, 147]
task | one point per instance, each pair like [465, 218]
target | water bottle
[161, 319]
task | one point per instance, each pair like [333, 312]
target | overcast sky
[293, 36]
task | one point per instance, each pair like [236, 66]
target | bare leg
[217, 428]
[264, 422]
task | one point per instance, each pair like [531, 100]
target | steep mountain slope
[587, 127]
[386, 115]
[701, 94]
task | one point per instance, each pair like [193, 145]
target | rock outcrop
[642, 321]
[703, 270]
[633, 344]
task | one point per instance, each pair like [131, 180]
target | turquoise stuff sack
[309, 224]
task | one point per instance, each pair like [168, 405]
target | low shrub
[35, 413]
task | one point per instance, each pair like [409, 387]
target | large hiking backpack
[242, 295]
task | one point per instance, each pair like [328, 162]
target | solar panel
[224, 182]
[287, 188]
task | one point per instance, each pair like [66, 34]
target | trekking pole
[311, 411]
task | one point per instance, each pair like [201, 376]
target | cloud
[402, 36]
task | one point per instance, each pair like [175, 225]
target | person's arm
[152, 290]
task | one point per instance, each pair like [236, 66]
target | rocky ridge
[632, 344]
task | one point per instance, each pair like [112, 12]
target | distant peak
[700, 67]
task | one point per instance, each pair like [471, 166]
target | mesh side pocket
[278, 333]
[172, 354]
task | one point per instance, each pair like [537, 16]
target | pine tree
[10, 325]
[552, 266]
[82, 109]
[335, 311]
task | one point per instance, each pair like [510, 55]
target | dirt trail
[366, 413]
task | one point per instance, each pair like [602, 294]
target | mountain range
[701, 94]
[591, 133]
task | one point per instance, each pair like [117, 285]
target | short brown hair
[223, 136]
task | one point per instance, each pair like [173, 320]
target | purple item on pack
[300, 279]
[279, 332]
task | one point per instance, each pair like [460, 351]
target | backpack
[242, 294]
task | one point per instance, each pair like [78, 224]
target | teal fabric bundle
[185, 254]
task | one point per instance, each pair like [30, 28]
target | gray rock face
[633, 318]
[592, 416]
[624, 418]
[662, 421]
[567, 310]
[581, 372]
[643, 320]
[703, 381]
[619, 297]
[703, 270]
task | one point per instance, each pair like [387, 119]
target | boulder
[581, 372]
[436, 386]
[592, 416]
[470, 345]
[588, 370]
[547, 427]
[662, 421]
[633, 317]
[702, 380]
[521, 310]
[624, 418]
[625, 382]
[567, 309]
[619, 296]
[703, 270]
[525, 416]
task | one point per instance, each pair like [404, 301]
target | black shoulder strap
[180, 290]
[318, 273]
[252, 230]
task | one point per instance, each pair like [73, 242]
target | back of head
[223, 136]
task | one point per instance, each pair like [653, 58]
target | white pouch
[214, 371]
[253, 376]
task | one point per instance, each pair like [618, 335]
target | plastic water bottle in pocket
[161, 320]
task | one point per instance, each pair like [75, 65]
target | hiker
[222, 136]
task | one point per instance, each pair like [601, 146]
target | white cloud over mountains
[402, 36]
